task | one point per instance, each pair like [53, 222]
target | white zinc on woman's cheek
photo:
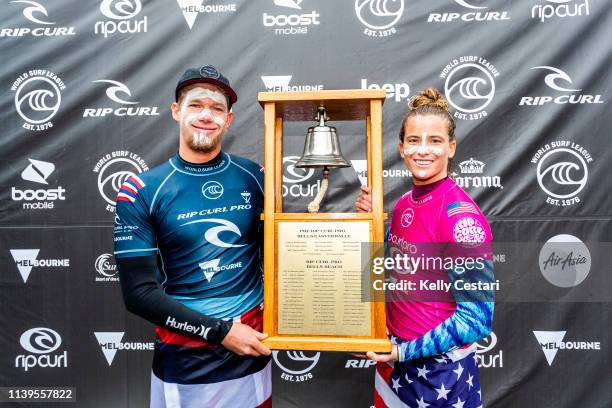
[424, 148]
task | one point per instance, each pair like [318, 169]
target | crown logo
[471, 166]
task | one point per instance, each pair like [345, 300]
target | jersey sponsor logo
[38, 171]
[212, 234]
[469, 86]
[212, 190]
[212, 211]
[246, 196]
[560, 8]
[560, 81]
[42, 344]
[296, 365]
[379, 16]
[26, 259]
[209, 268]
[407, 217]
[293, 23]
[552, 341]
[562, 171]
[37, 14]
[460, 207]
[565, 261]
[110, 343]
[129, 189]
[476, 14]
[192, 8]
[200, 330]
[121, 16]
[106, 268]
[471, 176]
[468, 231]
[113, 169]
[38, 95]
[118, 93]
[484, 353]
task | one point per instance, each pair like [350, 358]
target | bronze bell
[322, 148]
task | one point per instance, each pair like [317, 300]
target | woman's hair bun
[428, 97]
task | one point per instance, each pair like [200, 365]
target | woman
[433, 361]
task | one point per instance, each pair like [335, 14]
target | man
[192, 224]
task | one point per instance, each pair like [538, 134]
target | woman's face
[426, 148]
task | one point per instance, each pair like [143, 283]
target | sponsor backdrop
[85, 103]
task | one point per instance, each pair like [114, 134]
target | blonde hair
[429, 101]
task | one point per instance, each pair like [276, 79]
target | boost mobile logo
[40, 342]
[121, 14]
[37, 14]
[560, 82]
[191, 9]
[471, 16]
[37, 98]
[293, 23]
[379, 16]
[552, 341]
[37, 172]
[113, 170]
[116, 93]
[296, 365]
[110, 343]
[469, 86]
[562, 171]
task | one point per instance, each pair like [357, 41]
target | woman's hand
[364, 201]
[384, 358]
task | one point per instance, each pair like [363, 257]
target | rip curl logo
[120, 9]
[34, 7]
[484, 353]
[212, 190]
[469, 86]
[294, 179]
[559, 81]
[476, 14]
[407, 217]
[560, 9]
[379, 16]
[296, 365]
[212, 234]
[112, 91]
[37, 98]
[35, 13]
[41, 342]
[468, 231]
[113, 170]
[122, 15]
[562, 171]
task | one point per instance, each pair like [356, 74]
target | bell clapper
[313, 206]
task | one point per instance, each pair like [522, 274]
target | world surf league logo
[38, 95]
[379, 16]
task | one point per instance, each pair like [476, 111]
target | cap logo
[208, 71]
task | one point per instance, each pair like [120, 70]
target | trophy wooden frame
[341, 105]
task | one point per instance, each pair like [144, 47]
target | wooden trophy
[313, 277]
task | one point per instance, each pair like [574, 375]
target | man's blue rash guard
[200, 224]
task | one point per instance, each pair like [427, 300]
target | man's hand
[364, 201]
[384, 358]
[243, 340]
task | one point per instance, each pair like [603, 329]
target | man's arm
[143, 297]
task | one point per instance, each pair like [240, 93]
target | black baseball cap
[209, 75]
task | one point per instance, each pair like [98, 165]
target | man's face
[203, 116]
